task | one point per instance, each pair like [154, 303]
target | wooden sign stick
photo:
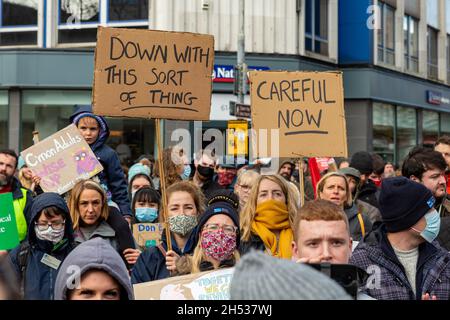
[162, 183]
[301, 181]
[35, 140]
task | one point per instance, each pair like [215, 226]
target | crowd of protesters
[391, 223]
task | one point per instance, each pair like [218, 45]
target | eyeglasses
[245, 187]
[229, 229]
[54, 225]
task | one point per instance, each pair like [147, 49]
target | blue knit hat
[136, 169]
[403, 202]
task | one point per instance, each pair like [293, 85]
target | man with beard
[204, 174]
[443, 146]
[286, 168]
[22, 198]
[427, 167]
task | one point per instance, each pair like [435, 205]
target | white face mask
[51, 235]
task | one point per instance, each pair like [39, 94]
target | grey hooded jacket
[93, 254]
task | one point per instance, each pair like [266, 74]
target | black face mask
[205, 172]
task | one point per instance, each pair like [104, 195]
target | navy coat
[40, 279]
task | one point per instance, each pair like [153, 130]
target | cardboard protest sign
[153, 74]
[61, 160]
[209, 285]
[9, 236]
[307, 108]
[148, 234]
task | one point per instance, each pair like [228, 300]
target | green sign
[9, 236]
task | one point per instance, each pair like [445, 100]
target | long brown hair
[248, 212]
[172, 161]
[74, 200]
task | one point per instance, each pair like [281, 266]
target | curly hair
[172, 162]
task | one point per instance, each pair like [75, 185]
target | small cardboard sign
[237, 137]
[148, 234]
[306, 109]
[61, 160]
[9, 236]
[153, 74]
[209, 285]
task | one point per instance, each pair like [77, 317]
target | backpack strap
[22, 259]
[361, 223]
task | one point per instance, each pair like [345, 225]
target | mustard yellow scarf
[274, 215]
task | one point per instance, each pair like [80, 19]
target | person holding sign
[268, 216]
[185, 204]
[95, 131]
[89, 211]
[22, 198]
[334, 187]
[50, 239]
[217, 237]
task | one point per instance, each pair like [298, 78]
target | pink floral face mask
[218, 245]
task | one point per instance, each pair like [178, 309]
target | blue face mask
[431, 230]
[146, 214]
[186, 173]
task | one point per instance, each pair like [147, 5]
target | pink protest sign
[61, 160]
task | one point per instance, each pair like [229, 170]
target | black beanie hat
[403, 202]
[362, 161]
[218, 207]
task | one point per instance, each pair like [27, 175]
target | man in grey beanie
[261, 277]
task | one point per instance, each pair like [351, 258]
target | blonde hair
[74, 200]
[88, 121]
[26, 183]
[323, 180]
[247, 177]
[248, 212]
[199, 256]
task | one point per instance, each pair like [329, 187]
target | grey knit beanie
[258, 276]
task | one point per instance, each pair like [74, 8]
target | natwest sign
[225, 73]
[436, 98]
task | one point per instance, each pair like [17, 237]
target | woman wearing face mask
[334, 187]
[268, 216]
[50, 239]
[145, 205]
[217, 237]
[89, 211]
[184, 204]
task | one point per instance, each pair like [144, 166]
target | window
[128, 10]
[406, 134]
[448, 57]
[48, 111]
[386, 35]
[3, 119]
[433, 13]
[78, 19]
[383, 130]
[411, 38]
[18, 22]
[430, 127]
[316, 26]
[445, 124]
[432, 53]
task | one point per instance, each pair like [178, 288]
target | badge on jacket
[50, 261]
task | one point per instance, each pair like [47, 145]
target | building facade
[394, 55]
